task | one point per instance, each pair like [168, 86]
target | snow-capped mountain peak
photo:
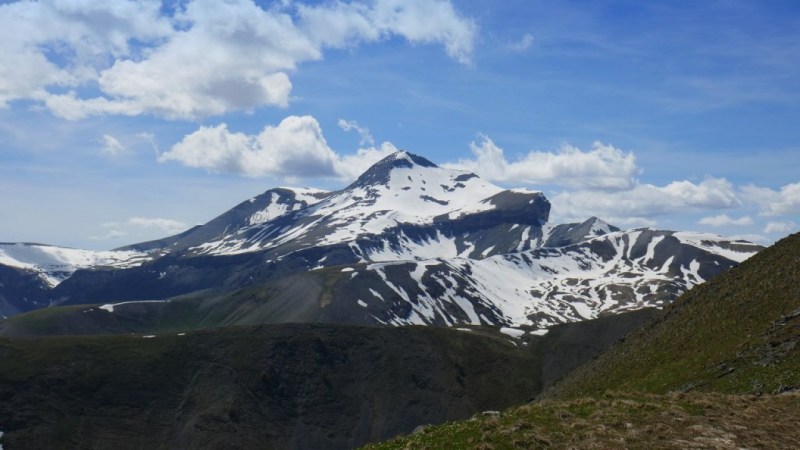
[425, 244]
[402, 189]
[406, 188]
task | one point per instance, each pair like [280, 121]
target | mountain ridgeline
[407, 243]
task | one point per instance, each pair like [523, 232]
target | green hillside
[719, 368]
[737, 333]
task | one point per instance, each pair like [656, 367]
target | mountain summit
[408, 242]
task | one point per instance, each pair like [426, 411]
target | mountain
[717, 368]
[407, 243]
[29, 271]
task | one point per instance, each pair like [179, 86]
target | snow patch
[110, 306]
[513, 332]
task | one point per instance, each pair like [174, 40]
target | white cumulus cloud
[208, 58]
[602, 167]
[722, 220]
[296, 147]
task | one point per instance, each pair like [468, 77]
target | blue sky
[125, 121]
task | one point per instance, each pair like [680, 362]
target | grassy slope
[685, 379]
[641, 421]
[738, 333]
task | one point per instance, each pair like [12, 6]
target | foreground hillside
[719, 368]
[738, 333]
[645, 421]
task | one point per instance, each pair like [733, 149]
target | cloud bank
[205, 58]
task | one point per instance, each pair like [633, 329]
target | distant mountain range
[407, 243]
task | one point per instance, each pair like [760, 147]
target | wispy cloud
[722, 220]
[136, 225]
[781, 227]
[366, 136]
[110, 146]
[524, 43]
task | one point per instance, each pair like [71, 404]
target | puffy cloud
[601, 182]
[647, 201]
[722, 220]
[209, 58]
[366, 136]
[785, 201]
[295, 147]
[781, 227]
[602, 167]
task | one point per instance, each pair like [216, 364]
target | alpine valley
[407, 243]
[306, 319]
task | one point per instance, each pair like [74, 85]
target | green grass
[728, 335]
[618, 420]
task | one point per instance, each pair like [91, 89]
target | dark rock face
[380, 172]
[574, 233]
[21, 291]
